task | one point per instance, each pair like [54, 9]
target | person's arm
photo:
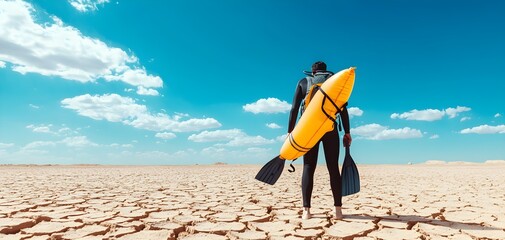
[344, 115]
[297, 100]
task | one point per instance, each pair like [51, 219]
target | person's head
[318, 67]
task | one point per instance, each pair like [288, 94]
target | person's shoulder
[302, 81]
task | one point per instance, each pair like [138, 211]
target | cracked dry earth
[226, 202]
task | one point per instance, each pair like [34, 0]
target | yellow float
[318, 119]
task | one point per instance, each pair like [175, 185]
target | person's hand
[347, 140]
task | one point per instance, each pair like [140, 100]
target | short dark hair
[318, 66]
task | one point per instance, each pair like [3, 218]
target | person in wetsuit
[331, 146]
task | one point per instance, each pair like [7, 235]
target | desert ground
[419, 201]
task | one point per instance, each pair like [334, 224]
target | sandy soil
[451, 201]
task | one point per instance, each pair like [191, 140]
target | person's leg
[309, 167]
[331, 144]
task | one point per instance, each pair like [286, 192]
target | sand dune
[225, 202]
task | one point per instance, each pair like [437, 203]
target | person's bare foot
[306, 214]
[337, 213]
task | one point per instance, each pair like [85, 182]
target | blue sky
[187, 82]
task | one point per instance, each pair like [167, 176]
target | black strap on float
[333, 103]
[295, 145]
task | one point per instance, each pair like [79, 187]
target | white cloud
[257, 150]
[87, 5]
[247, 141]
[163, 122]
[282, 138]
[54, 49]
[111, 107]
[465, 119]
[269, 105]
[354, 111]
[213, 150]
[485, 129]
[121, 145]
[216, 136]
[147, 91]
[435, 136]
[188, 153]
[453, 112]
[34, 106]
[368, 131]
[378, 132]
[497, 115]
[2, 64]
[65, 131]
[430, 114]
[165, 135]
[135, 77]
[38, 144]
[421, 115]
[178, 115]
[233, 137]
[78, 141]
[273, 125]
[115, 108]
[6, 145]
[41, 128]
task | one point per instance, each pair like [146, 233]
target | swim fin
[271, 172]
[350, 175]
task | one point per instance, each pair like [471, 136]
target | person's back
[304, 91]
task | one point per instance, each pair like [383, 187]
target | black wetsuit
[331, 146]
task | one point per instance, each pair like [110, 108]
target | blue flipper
[271, 172]
[350, 175]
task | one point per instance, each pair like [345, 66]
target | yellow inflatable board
[319, 117]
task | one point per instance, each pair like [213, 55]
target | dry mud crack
[225, 202]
